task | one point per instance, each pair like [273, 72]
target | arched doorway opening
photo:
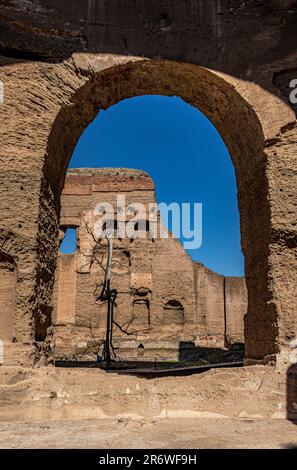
[241, 130]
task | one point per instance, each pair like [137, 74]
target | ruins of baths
[162, 312]
[61, 63]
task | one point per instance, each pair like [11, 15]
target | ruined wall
[212, 33]
[164, 298]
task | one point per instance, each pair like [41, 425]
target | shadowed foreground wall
[164, 298]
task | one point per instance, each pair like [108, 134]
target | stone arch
[257, 127]
[173, 312]
[16, 301]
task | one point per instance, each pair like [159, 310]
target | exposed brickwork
[164, 297]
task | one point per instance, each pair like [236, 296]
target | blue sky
[187, 159]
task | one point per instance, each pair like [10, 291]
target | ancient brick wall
[63, 62]
[164, 298]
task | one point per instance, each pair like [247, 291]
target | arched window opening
[110, 225]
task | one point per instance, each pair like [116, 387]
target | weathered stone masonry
[63, 62]
[164, 299]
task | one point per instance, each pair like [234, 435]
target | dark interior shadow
[292, 393]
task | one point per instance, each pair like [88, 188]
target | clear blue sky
[187, 159]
